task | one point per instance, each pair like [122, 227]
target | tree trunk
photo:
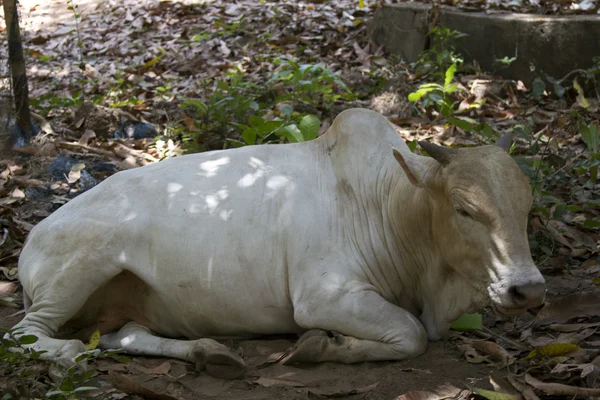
[18, 73]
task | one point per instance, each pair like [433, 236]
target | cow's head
[480, 202]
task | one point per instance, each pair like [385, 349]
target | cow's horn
[505, 141]
[443, 155]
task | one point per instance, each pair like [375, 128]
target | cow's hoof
[220, 363]
[308, 348]
[65, 359]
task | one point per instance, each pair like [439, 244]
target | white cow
[384, 248]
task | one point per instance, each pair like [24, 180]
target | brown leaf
[580, 238]
[268, 382]
[17, 194]
[126, 384]
[162, 369]
[86, 137]
[572, 327]
[494, 350]
[7, 288]
[418, 396]
[26, 182]
[560, 389]
[572, 306]
[471, 354]
[589, 371]
[344, 393]
[501, 385]
[522, 388]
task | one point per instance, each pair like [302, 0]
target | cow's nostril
[529, 295]
[517, 296]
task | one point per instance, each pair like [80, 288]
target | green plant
[441, 53]
[312, 84]
[73, 8]
[439, 96]
[590, 133]
[30, 373]
[250, 113]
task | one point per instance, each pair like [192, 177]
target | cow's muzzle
[521, 297]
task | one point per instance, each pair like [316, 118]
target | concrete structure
[554, 44]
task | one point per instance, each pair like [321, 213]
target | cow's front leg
[370, 329]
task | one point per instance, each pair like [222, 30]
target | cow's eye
[462, 212]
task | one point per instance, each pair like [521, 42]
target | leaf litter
[183, 45]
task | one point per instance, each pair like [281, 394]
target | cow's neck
[391, 224]
[437, 292]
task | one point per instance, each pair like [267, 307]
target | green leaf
[94, 340]
[198, 104]
[291, 133]
[453, 87]
[416, 96]
[286, 110]
[468, 322]
[466, 124]
[590, 134]
[412, 145]
[27, 339]
[123, 359]
[256, 122]
[450, 74]
[590, 224]
[249, 135]
[309, 126]
[273, 125]
[491, 395]
[431, 86]
[84, 388]
[537, 87]
[559, 211]
[559, 90]
[581, 100]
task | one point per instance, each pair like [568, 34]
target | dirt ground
[443, 364]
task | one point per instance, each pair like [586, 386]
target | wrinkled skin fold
[350, 233]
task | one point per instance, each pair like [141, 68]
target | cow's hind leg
[54, 296]
[206, 354]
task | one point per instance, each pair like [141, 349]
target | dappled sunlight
[210, 168]
[251, 178]
[127, 340]
[276, 183]
[212, 200]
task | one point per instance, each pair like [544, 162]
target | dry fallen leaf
[343, 393]
[558, 389]
[495, 350]
[128, 385]
[418, 396]
[572, 306]
[162, 369]
[7, 288]
[471, 354]
[75, 173]
[86, 137]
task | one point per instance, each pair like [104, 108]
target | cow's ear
[414, 166]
